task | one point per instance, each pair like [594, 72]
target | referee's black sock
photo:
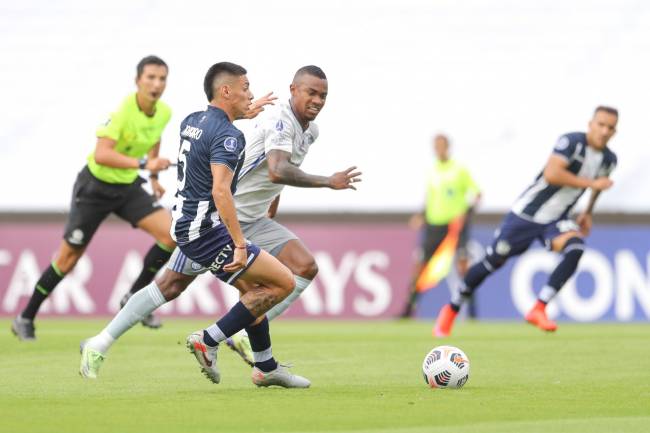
[48, 281]
[155, 259]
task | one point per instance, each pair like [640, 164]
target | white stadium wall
[502, 78]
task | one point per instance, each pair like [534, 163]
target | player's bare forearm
[563, 177]
[222, 177]
[288, 174]
[592, 201]
[225, 204]
[282, 171]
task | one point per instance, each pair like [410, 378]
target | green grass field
[366, 377]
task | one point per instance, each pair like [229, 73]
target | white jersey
[277, 129]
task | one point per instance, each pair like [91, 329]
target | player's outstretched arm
[281, 170]
[223, 200]
[105, 154]
[556, 173]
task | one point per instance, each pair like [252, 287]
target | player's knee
[307, 269]
[167, 241]
[574, 247]
[285, 283]
[172, 284]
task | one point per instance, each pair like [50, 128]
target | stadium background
[503, 79]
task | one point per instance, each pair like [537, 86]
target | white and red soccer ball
[446, 367]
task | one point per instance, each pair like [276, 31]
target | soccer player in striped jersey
[207, 231]
[275, 149]
[579, 161]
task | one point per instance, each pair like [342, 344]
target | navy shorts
[517, 234]
[213, 250]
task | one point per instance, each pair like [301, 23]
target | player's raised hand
[258, 105]
[155, 165]
[601, 183]
[238, 261]
[345, 179]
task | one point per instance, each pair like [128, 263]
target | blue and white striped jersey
[207, 137]
[543, 203]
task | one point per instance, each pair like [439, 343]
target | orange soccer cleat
[537, 316]
[445, 321]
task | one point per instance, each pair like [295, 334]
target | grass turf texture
[366, 377]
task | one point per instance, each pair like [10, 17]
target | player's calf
[571, 253]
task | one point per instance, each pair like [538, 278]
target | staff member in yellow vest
[129, 141]
[451, 194]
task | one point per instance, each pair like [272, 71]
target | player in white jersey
[579, 161]
[274, 151]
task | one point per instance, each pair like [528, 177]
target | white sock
[301, 285]
[546, 294]
[101, 342]
[215, 333]
[141, 304]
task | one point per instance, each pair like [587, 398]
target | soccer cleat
[281, 376]
[242, 346]
[23, 328]
[537, 316]
[150, 320]
[91, 360]
[205, 355]
[444, 322]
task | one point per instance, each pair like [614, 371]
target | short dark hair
[310, 70]
[149, 60]
[216, 71]
[606, 109]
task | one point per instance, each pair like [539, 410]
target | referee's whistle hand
[157, 164]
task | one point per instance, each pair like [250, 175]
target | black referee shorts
[433, 235]
[93, 200]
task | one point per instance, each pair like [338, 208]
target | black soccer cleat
[23, 328]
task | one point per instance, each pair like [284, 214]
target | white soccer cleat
[205, 355]
[91, 360]
[281, 376]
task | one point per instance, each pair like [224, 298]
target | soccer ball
[445, 367]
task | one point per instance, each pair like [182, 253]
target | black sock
[565, 269]
[260, 339]
[153, 261]
[48, 281]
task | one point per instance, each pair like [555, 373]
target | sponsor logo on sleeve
[279, 126]
[230, 143]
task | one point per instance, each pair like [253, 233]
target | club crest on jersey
[562, 143]
[230, 143]
[279, 126]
